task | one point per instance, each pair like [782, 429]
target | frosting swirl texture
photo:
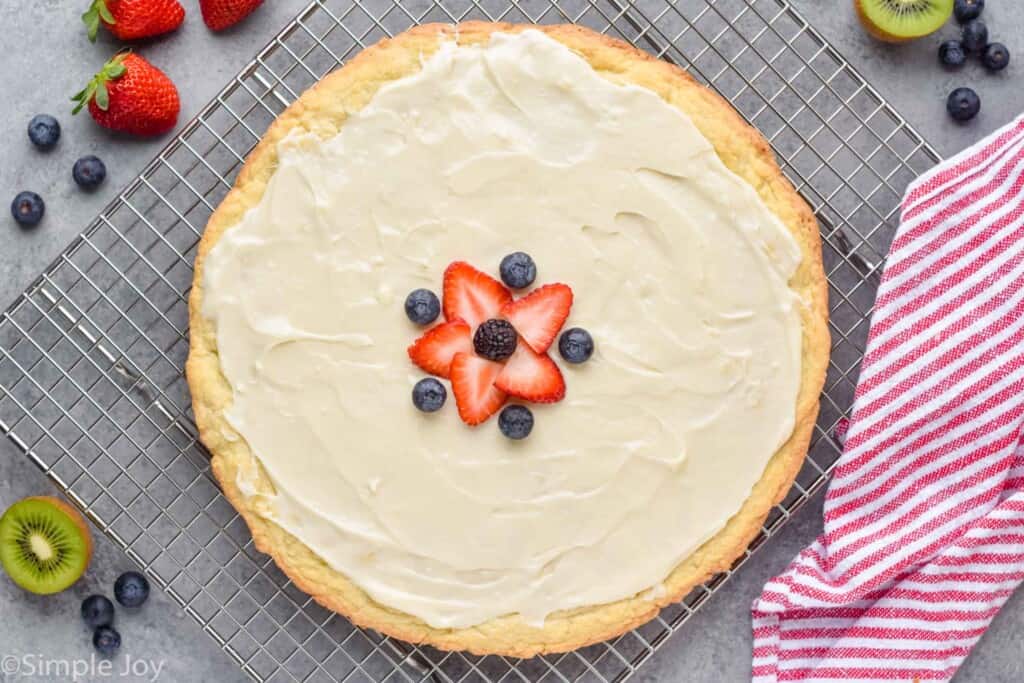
[680, 273]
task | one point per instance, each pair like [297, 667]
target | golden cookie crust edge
[322, 110]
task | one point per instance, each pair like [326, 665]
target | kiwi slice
[897, 21]
[45, 544]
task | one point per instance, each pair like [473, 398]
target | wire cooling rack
[91, 355]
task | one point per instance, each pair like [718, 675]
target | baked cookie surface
[320, 114]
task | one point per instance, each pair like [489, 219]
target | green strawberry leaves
[97, 10]
[102, 96]
[97, 88]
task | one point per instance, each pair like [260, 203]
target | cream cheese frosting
[679, 272]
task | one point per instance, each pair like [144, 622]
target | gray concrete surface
[46, 58]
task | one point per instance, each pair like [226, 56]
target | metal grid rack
[91, 355]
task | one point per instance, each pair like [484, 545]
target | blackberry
[495, 339]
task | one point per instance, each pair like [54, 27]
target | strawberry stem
[97, 10]
[97, 89]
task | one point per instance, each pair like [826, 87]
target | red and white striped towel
[924, 517]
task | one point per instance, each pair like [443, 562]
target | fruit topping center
[494, 346]
[495, 339]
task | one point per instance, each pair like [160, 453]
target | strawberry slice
[539, 315]
[473, 385]
[434, 350]
[531, 376]
[472, 295]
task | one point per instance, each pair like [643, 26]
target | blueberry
[974, 36]
[106, 640]
[518, 270]
[965, 10]
[89, 172]
[97, 611]
[429, 395]
[28, 209]
[515, 422]
[951, 53]
[963, 104]
[131, 589]
[576, 345]
[43, 131]
[495, 339]
[422, 306]
[996, 57]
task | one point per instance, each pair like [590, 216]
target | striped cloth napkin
[924, 516]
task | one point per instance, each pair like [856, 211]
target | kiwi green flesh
[41, 547]
[907, 18]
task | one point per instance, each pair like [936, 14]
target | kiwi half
[897, 21]
[45, 545]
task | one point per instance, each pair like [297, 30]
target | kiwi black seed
[897, 21]
[45, 545]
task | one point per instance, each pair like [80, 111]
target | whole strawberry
[133, 19]
[220, 14]
[131, 95]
